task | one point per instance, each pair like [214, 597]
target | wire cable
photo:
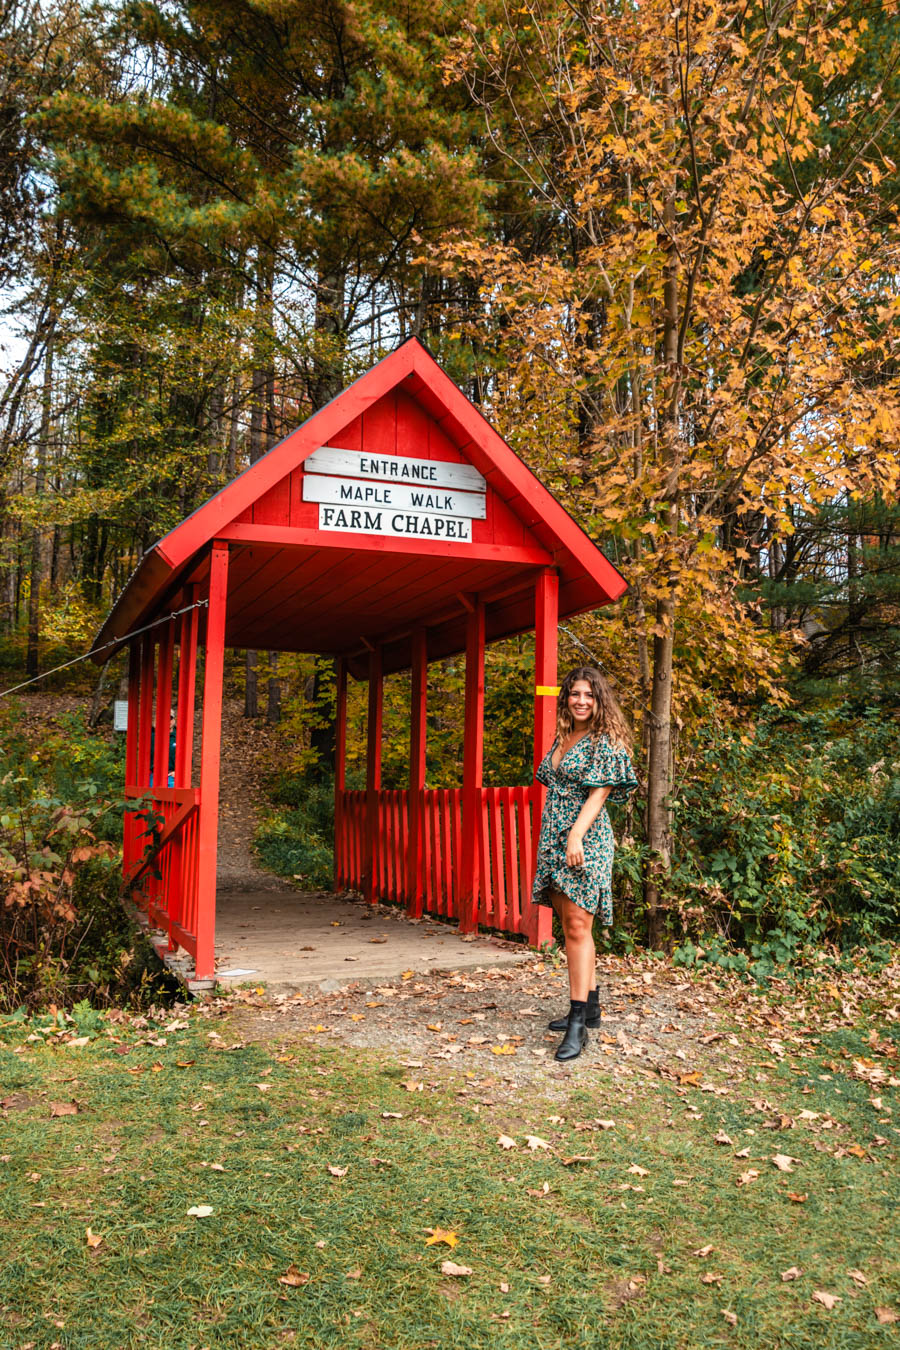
[114, 642]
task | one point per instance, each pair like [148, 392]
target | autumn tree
[704, 347]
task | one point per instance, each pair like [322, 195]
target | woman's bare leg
[581, 956]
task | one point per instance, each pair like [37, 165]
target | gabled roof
[552, 538]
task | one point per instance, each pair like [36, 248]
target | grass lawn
[324, 1167]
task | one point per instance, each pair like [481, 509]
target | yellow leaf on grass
[441, 1235]
[93, 1239]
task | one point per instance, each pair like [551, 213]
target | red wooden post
[163, 706]
[131, 746]
[373, 773]
[473, 769]
[187, 683]
[340, 775]
[546, 622]
[209, 762]
[417, 732]
[146, 711]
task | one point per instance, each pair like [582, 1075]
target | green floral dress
[588, 764]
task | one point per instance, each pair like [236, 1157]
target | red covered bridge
[393, 528]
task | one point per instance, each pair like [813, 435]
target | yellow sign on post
[547, 689]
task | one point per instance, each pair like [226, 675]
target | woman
[587, 764]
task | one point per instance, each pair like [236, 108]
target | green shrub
[297, 840]
[788, 837]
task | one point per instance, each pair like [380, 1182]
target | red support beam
[473, 768]
[415, 876]
[373, 772]
[340, 772]
[163, 705]
[145, 717]
[187, 685]
[131, 745]
[546, 637]
[209, 762]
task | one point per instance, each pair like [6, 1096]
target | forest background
[657, 244]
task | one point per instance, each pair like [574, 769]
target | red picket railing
[505, 861]
[162, 837]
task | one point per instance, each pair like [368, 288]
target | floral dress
[590, 763]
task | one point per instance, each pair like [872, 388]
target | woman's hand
[574, 850]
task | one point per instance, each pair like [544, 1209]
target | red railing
[505, 861]
[160, 860]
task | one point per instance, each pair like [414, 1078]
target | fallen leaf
[503, 1287]
[704, 1251]
[857, 1150]
[200, 1211]
[353, 1275]
[320, 1244]
[722, 1138]
[712, 1277]
[216, 1167]
[637, 1171]
[827, 1300]
[412, 1085]
[263, 1087]
[451, 1268]
[743, 1153]
[63, 1109]
[730, 1317]
[534, 1142]
[435, 1026]
[543, 1279]
[294, 1277]
[392, 1115]
[441, 1235]
[746, 1177]
[93, 1239]
[606, 1124]
[858, 1278]
[797, 1199]
[337, 1171]
[784, 1161]
[792, 1273]
[539, 1191]
[578, 1158]
[504, 1049]
[886, 1316]
[506, 1142]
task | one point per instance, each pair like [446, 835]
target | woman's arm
[584, 820]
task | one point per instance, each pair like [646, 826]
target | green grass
[590, 1263]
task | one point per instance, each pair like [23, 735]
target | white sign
[437, 473]
[434, 501]
[120, 714]
[384, 520]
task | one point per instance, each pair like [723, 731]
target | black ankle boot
[572, 1044]
[592, 1017]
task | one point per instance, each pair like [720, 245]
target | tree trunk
[40, 477]
[273, 703]
[660, 766]
[251, 686]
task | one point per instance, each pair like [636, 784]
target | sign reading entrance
[394, 495]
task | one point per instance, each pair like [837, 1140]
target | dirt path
[491, 1023]
[246, 751]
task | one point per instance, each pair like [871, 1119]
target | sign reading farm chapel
[394, 495]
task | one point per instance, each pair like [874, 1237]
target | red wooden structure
[392, 528]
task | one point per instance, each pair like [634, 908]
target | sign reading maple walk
[373, 494]
[393, 528]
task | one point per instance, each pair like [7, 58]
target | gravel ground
[491, 1023]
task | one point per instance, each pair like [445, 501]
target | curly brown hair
[608, 719]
